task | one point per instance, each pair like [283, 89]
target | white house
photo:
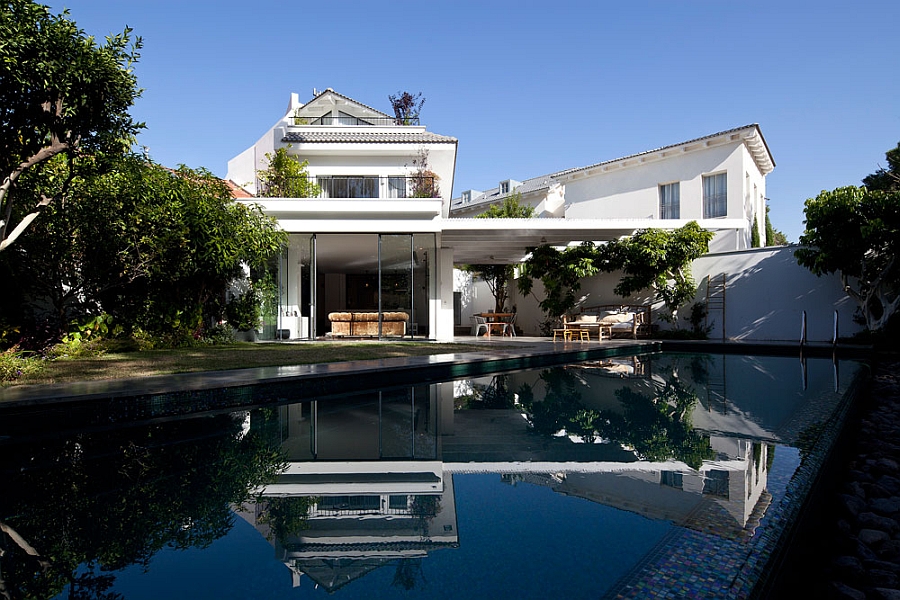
[371, 256]
[369, 244]
[718, 180]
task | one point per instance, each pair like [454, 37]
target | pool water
[643, 476]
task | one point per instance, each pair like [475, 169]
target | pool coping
[495, 357]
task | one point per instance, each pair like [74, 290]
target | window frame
[669, 208]
[715, 205]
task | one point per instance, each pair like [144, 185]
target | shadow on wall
[766, 293]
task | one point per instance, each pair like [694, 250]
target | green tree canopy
[888, 179]
[153, 247]
[774, 237]
[660, 260]
[650, 259]
[855, 232]
[60, 93]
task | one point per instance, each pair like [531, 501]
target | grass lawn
[114, 365]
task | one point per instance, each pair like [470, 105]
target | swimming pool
[621, 477]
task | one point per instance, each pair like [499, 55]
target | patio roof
[506, 241]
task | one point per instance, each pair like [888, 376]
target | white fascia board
[352, 128]
[585, 224]
[307, 149]
[314, 208]
[360, 225]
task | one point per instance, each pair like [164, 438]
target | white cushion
[588, 318]
[618, 318]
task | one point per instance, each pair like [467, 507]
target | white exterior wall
[476, 296]
[766, 293]
[242, 168]
[633, 191]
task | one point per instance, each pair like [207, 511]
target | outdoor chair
[479, 323]
[511, 325]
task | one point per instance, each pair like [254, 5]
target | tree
[406, 107]
[886, 180]
[650, 259]
[60, 93]
[285, 177]
[561, 272]
[497, 276]
[153, 247]
[660, 260]
[855, 232]
[773, 236]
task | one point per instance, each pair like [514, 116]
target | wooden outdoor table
[588, 326]
[495, 319]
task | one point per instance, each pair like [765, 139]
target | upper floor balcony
[346, 120]
[361, 187]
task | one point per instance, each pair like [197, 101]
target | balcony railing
[340, 186]
[348, 120]
[362, 186]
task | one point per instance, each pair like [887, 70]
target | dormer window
[466, 197]
[509, 186]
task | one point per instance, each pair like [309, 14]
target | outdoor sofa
[622, 320]
[365, 323]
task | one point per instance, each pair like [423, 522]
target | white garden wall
[766, 292]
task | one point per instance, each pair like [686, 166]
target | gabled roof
[356, 137]
[331, 92]
[749, 134]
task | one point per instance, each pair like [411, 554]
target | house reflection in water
[374, 490]
[665, 436]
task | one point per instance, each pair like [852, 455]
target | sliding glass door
[386, 280]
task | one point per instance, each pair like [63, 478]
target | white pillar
[443, 306]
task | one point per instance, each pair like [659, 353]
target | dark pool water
[628, 477]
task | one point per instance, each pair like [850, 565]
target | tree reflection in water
[657, 425]
[97, 502]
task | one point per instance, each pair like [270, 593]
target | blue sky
[530, 88]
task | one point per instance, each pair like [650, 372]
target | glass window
[715, 197]
[670, 201]
[348, 187]
[504, 187]
[396, 187]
